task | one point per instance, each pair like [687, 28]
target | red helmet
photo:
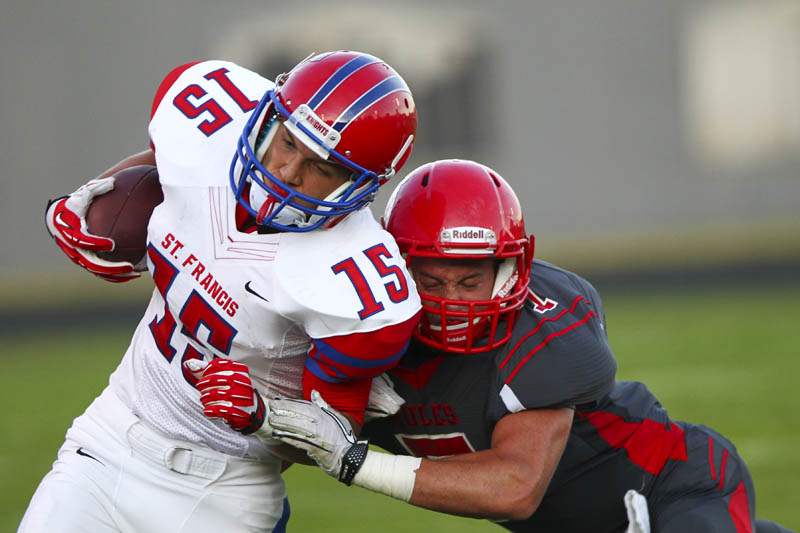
[347, 107]
[462, 209]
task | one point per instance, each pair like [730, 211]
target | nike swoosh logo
[80, 451]
[347, 432]
[254, 293]
[60, 220]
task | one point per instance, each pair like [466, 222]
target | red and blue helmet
[347, 107]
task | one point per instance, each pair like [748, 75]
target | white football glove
[638, 514]
[383, 400]
[318, 429]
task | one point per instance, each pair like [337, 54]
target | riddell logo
[477, 234]
[468, 234]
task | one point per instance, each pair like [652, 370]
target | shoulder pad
[197, 116]
[347, 279]
[558, 356]
[553, 288]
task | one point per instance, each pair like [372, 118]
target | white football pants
[115, 475]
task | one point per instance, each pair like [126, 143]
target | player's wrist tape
[393, 475]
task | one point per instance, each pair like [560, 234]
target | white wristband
[393, 475]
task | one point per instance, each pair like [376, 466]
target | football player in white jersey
[263, 252]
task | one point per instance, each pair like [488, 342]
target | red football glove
[227, 393]
[66, 221]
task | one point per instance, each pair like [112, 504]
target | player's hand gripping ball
[102, 226]
[227, 393]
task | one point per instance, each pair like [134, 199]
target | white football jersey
[250, 297]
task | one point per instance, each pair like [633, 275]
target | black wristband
[352, 461]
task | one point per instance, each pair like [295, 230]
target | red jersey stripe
[722, 469]
[545, 342]
[167, 82]
[739, 509]
[711, 457]
[570, 309]
[374, 345]
[649, 444]
[417, 378]
[344, 362]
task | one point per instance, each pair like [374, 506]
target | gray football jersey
[558, 356]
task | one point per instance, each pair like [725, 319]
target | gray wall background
[581, 105]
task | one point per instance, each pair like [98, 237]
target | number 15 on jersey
[396, 288]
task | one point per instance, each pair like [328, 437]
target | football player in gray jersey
[510, 410]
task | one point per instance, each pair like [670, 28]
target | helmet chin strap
[506, 278]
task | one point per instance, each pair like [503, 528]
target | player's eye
[472, 283]
[288, 142]
[323, 169]
[431, 287]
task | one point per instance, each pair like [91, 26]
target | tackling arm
[341, 367]
[507, 481]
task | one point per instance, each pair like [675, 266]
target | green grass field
[728, 359]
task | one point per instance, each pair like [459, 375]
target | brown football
[123, 213]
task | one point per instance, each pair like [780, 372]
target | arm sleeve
[341, 367]
[562, 360]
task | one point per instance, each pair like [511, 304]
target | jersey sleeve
[166, 84]
[348, 279]
[350, 291]
[341, 367]
[197, 115]
[557, 358]
[168, 81]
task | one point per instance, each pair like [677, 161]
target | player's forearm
[146, 157]
[290, 455]
[507, 481]
[481, 485]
